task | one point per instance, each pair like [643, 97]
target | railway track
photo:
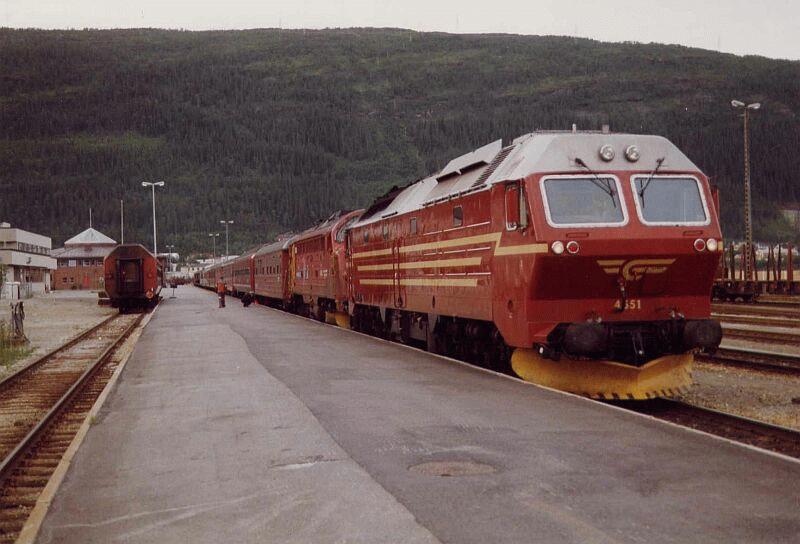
[736, 428]
[753, 359]
[785, 338]
[42, 407]
[758, 320]
[769, 310]
[780, 300]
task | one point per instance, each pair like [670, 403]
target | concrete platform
[249, 425]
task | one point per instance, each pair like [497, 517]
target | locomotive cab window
[583, 201]
[458, 216]
[670, 200]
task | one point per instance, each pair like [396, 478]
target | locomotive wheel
[607, 380]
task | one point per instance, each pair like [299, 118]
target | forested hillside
[276, 128]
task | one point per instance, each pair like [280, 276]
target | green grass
[10, 353]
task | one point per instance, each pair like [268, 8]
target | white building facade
[27, 264]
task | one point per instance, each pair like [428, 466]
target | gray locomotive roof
[545, 152]
[275, 246]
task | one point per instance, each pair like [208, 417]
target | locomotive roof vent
[480, 157]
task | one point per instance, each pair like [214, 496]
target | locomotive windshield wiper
[646, 183]
[604, 184]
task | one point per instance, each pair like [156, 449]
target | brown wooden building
[80, 261]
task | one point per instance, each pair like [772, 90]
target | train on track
[133, 277]
[583, 261]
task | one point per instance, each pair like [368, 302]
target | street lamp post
[748, 208]
[214, 251]
[153, 186]
[226, 223]
[170, 249]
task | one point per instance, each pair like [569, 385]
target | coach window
[385, 231]
[366, 236]
[458, 216]
[413, 227]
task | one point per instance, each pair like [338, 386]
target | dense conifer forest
[277, 128]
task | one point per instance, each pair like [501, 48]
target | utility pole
[226, 223]
[121, 221]
[153, 186]
[214, 251]
[748, 207]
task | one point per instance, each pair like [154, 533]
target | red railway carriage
[133, 276]
[591, 256]
[207, 277]
[241, 272]
[271, 271]
[318, 262]
[225, 272]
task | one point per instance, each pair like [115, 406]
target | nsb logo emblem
[635, 269]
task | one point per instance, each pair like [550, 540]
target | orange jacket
[221, 287]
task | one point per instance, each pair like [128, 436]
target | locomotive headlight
[632, 153]
[573, 247]
[607, 153]
[711, 244]
[557, 247]
[699, 244]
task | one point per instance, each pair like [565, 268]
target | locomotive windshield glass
[669, 200]
[583, 201]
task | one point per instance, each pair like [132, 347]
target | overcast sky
[770, 27]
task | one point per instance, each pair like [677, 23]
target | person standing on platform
[221, 291]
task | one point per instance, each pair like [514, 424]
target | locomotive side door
[398, 290]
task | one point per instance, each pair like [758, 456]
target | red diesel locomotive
[318, 260]
[584, 259]
[133, 276]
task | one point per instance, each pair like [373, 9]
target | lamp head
[754, 106]
[737, 103]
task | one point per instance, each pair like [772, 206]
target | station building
[80, 261]
[26, 260]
